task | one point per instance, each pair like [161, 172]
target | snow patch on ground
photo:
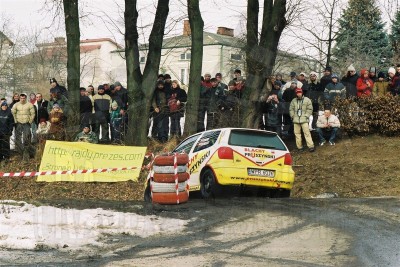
[25, 226]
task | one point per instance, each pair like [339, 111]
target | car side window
[187, 144]
[207, 140]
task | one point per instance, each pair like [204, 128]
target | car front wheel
[209, 185]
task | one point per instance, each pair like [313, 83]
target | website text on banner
[64, 156]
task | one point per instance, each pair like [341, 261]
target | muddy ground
[354, 167]
[242, 231]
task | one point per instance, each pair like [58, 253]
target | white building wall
[216, 58]
[103, 65]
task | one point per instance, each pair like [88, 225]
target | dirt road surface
[247, 231]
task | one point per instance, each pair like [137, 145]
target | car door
[201, 153]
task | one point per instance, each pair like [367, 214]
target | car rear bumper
[284, 179]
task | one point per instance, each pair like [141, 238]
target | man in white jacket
[327, 124]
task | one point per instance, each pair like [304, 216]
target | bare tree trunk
[196, 26]
[140, 86]
[73, 63]
[260, 56]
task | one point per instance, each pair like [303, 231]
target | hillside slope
[357, 167]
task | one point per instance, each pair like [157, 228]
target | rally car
[237, 156]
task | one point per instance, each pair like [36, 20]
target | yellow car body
[238, 156]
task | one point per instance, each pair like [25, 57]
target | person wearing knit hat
[114, 105]
[372, 74]
[43, 130]
[57, 127]
[116, 123]
[102, 105]
[364, 84]
[334, 89]
[394, 83]
[351, 68]
[350, 80]
[6, 128]
[315, 93]
[380, 86]
[327, 77]
[278, 83]
[86, 135]
[300, 110]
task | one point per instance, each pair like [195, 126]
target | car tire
[167, 187]
[170, 177]
[169, 169]
[208, 185]
[181, 159]
[170, 198]
[281, 193]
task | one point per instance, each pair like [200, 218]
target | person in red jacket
[364, 84]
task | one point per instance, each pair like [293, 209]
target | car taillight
[225, 152]
[288, 159]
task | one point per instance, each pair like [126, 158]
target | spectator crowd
[292, 108]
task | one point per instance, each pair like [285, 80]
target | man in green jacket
[87, 135]
[300, 111]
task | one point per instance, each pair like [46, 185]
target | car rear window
[256, 139]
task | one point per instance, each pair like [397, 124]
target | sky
[101, 18]
[25, 226]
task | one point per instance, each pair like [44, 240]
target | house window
[184, 76]
[186, 56]
[142, 59]
[236, 57]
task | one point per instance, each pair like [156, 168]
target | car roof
[235, 128]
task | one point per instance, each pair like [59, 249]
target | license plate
[261, 172]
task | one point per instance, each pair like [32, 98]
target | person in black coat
[85, 107]
[54, 84]
[349, 81]
[161, 112]
[315, 93]
[327, 78]
[176, 99]
[287, 97]
[40, 106]
[6, 128]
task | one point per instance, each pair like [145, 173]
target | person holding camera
[87, 135]
[272, 121]
[364, 84]
[300, 110]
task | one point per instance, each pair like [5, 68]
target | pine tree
[395, 37]
[361, 39]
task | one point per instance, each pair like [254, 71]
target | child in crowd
[43, 130]
[57, 126]
[115, 123]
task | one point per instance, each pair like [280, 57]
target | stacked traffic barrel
[169, 182]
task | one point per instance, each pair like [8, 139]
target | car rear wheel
[208, 186]
[281, 193]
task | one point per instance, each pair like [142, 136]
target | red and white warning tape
[176, 177]
[21, 174]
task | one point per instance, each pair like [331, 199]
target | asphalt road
[249, 231]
